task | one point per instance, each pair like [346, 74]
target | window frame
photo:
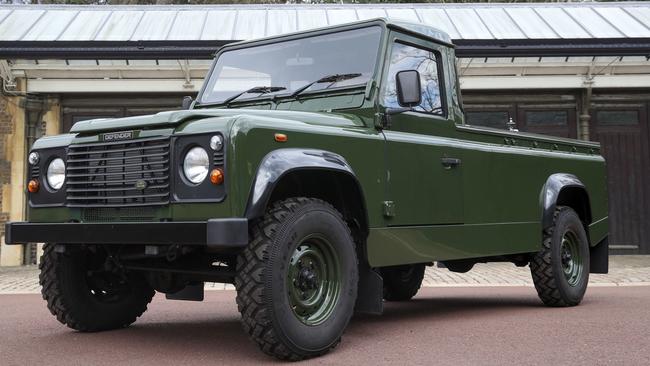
[442, 83]
[288, 38]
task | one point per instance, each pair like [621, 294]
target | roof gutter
[553, 47]
[207, 49]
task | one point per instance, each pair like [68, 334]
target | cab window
[405, 57]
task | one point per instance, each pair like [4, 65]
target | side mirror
[187, 102]
[408, 88]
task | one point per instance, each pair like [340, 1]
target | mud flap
[599, 257]
[191, 292]
[370, 293]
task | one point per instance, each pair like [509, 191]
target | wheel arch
[563, 189]
[311, 173]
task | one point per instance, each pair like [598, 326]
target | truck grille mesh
[118, 174]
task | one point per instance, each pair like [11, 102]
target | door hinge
[389, 208]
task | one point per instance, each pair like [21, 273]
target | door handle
[449, 163]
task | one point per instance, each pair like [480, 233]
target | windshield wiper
[335, 78]
[258, 89]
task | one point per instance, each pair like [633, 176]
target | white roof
[240, 22]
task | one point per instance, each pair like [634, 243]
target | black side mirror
[408, 88]
[187, 102]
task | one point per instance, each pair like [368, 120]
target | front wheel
[297, 279]
[85, 294]
[561, 269]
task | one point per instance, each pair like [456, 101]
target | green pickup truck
[320, 172]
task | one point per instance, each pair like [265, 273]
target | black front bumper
[215, 233]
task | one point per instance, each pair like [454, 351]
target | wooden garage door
[622, 130]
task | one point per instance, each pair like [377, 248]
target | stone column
[12, 173]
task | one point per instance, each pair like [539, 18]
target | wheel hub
[570, 258]
[313, 280]
[307, 279]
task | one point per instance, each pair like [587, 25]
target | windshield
[294, 64]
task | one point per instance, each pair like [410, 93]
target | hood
[175, 118]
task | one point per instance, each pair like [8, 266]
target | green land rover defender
[319, 172]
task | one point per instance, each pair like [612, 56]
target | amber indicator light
[216, 176]
[33, 186]
[280, 137]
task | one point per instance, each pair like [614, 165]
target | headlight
[196, 165]
[56, 173]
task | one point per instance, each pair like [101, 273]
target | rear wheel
[86, 294]
[401, 283]
[561, 269]
[297, 279]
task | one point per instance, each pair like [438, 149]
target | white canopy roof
[527, 21]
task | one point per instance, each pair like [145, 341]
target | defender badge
[117, 136]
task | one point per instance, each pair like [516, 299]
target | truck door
[424, 168]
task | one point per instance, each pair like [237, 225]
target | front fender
[279, 162]
[551, 191]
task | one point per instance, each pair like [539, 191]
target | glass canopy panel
[402, 14]
[18, 23]
[280, 22]
[370, 13]
[219, 25]
[84, 26]
[499, 23]
[562, 23]
[250, 24]
[624, 22]
[531, 23]
[439, 19]
[310, 19]
[469, 24]
[593, 23]
[119, 26]
[640, 13]
[338, 16]
[187, 25]
[4, 13]
[50, 25]
[154, 26]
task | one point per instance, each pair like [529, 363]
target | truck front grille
[118, 174]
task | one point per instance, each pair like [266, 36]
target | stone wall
[6, 130]
[13, 155]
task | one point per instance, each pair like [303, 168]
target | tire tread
[249, 280]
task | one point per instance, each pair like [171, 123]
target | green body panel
[418, 210]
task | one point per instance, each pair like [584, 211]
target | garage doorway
[79, 108]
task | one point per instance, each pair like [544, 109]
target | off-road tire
[546, 266]
[263, 291]
[69, 298]
[401, 283]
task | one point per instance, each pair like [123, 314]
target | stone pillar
[584, 117]
[12, 173]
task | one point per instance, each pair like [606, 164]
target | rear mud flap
[370, 293]
[599, 257]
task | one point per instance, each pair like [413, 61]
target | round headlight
[216, 142]
[56, 173]
[33, 158]
[196, 165]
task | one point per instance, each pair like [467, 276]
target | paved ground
[446, 326]
[624, 270]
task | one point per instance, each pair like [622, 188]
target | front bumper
[214, 233]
